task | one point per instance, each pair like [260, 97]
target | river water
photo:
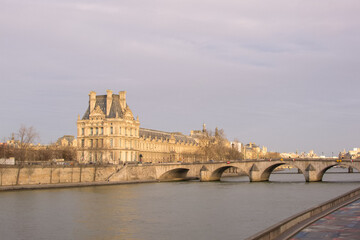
[231, 209]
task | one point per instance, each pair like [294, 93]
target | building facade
[66, 141]
[159, 146]
[109, 133]
[253, 151]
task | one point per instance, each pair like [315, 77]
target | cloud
[254, 68]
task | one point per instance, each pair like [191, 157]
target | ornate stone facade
[109, 133]
[159, 146]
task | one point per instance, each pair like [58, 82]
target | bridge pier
[312, 176]
[207, 176]
[257, 176]
[261, 175]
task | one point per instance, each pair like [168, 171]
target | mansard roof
[179, 137]
[101, 102]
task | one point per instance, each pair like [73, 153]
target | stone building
[253, 151]
[351, 154]
[159, 146]
[109, 133]
[66, 141]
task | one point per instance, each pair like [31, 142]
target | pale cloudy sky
[281, 73]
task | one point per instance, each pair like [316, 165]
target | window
[111, 130]
[120, 143]
[125, 132]
[101, 142]
[102, 131]
[82, 131]
[97, 131]
[96, 143]
[82, 142]
[120, 131]
[91, 131]
[91, 143]
[131, 131]
[130, 144]
[111, 142]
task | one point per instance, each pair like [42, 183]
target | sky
[280, 73]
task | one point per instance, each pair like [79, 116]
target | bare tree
[26, 136]
[234, 152]
[215, 146]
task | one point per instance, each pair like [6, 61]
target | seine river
[231, 209]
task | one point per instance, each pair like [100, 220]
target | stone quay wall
[41, 175]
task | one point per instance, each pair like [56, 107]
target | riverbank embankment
[68, 185]
[52, 176]
[31, 177]
[290, 226]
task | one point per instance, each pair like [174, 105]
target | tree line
[21, 147]
[215, 146]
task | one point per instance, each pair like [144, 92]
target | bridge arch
[323, 171]
[176, 174]
[216, 174]
[257, 175]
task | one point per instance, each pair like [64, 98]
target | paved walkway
[344, 223]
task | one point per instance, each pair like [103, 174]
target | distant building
[159, 146]
[237, 145]
[253, 151]
[67, 140]
[12, 142]
[289, 155]
[310, 154]
[198, 133]
[108, 132]
[351, 154]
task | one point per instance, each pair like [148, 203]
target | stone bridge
[257, 170]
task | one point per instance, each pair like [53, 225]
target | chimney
[108, 101]
[92, 100]
[122, 99]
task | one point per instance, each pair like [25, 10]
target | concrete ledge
[290, 226]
